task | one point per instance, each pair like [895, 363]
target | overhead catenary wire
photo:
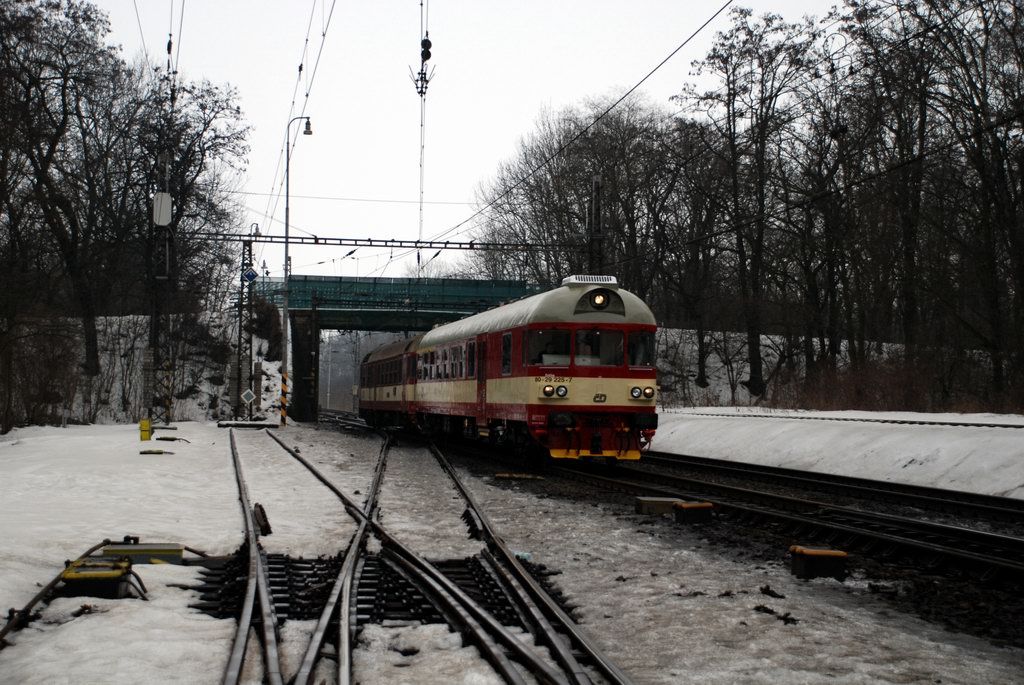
[277, 186]
[877, 21]
[480, 212]
[476, 215]
[1005, 120]
[579, 134]
[181, 23]
[593, 123]
[544, 163]
[142, 34]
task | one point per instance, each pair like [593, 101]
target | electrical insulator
[426, 45]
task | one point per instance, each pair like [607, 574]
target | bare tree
[758, 65]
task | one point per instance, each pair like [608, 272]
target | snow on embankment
[983, 460]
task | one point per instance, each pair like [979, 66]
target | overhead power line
[853, 68]
[589, 126]
[389, 243]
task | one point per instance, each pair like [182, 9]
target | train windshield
[641, 349]
[549, 348]
[598, 348]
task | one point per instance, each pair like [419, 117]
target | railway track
[341, 419]
[947, 502]
[887, 537]
[432, 590]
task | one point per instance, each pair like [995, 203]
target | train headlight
[548, 390]
[561, 391]
[635, 392]
[599, 299]
[648, 392]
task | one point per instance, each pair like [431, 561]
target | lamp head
[308, 131]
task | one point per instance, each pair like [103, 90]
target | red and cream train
[571, 370]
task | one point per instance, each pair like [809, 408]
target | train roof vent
[608, 281]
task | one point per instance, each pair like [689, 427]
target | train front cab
[593, 389]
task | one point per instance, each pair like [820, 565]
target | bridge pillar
[305, 343]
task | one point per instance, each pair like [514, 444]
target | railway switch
[147, 552]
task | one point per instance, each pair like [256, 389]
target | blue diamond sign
[250, 275]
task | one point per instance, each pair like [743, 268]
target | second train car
[571, 370]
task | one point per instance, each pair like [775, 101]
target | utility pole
[308, 131]
[160, 373]
[421, 81]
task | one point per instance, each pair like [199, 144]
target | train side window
[470, 360]
[458, 368]
[506, 353]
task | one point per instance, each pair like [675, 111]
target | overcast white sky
[498, 65]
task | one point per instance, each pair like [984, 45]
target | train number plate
[552, 379]
[600, 397]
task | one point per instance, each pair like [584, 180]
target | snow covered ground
[983, 460]
[659, 599]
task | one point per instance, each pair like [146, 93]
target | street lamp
[308, 131]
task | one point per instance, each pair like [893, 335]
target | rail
[256, 587]
[549, 619]
[497, 644]
[1001, 552]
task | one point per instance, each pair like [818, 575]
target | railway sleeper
[383, 596]
[299, 587]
